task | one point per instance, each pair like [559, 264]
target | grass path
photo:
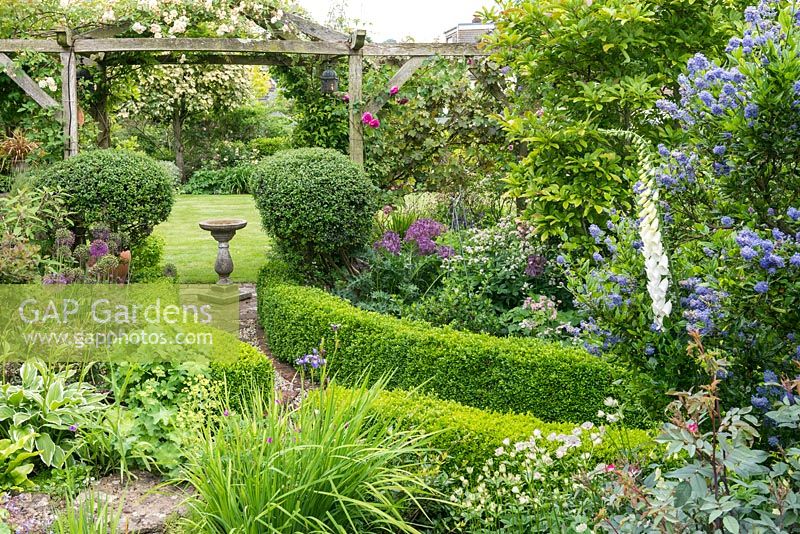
[193, 250]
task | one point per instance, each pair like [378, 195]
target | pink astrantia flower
[692, 427]
[394, 90]
[346, 98]
[375, 122]
[367, 117]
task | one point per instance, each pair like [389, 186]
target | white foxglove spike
[655, 259]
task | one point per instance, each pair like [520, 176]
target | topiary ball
[315, 202]
[130, 192]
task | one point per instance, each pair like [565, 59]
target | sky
[424, 20]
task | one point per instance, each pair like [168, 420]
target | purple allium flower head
[64, 238]
[423, 232]
[390, 242]
[761, 287]
[98, 248]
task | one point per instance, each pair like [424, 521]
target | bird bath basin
[223, 230]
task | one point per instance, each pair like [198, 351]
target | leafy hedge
[251, 370]
[547, 380]
[470, 435]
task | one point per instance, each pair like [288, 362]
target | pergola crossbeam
[221, 46]
[26, 83]
[398, 80]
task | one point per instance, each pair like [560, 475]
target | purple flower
[73, 428]
[751, 111]
[390, 242]
[444, 251]
[98, 248]
[269, 441]
[388, 209]
[794, 261]
[719, 150]
[55, 278]
[793, 214]
[423, 232]
[394, 90]
[774, 442]
[375, 123]
[597, 257]
[726, 221]
[770, 377]
[225, 413]
[346, 98]
[595, 231]
[561, 260]
[335, 327]
[748, 253]
[536, 265]
[403, 101]
[760, 403]
[366, 118]
[314, 360]
[761, 287]
[649, 350]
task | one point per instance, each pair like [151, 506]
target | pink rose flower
[367, 117]
[375, 123]
[394, 90]
[346, 98]
[610, 468]
[403, 101]
[692, 427]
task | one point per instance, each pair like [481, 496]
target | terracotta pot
[121, 272]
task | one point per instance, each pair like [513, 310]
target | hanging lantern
[330, 81]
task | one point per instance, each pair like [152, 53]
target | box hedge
[548, 380]
[469, 436]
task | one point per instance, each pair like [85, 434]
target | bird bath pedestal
[223, 230]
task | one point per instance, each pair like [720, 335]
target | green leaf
[731, 524]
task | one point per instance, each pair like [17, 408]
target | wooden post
[354, 86]
[69, 95]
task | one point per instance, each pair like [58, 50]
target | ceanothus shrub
[129, 192]
[728, 200]
[317, 204]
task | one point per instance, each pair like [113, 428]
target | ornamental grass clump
[327, 466]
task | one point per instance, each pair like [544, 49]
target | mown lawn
[193, 250]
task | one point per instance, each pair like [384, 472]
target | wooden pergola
[306, 38]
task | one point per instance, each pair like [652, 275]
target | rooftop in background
[470, 32]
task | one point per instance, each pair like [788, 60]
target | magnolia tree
[172, 94]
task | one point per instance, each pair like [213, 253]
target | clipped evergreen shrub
[469, 436]
[316, 203]
[129, 191]
[548, 380]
